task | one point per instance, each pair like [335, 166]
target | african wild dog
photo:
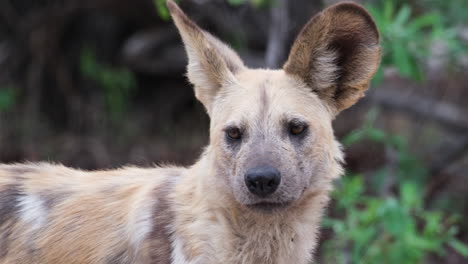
[257, 193]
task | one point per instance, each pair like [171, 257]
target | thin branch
[278, 34]
[445, 113]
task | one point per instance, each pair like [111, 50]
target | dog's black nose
[262, 181]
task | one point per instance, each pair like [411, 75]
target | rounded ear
[211, 63]
[336, 54]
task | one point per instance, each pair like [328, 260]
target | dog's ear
[211, 63]
[336, 54]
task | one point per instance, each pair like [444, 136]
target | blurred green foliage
[162, 10]
[407, 39]
[8, 96]
[392, 229]
[376, 226]
[454, 11]
[255, 3]
[116, 82]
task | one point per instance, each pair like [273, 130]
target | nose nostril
[271, 183]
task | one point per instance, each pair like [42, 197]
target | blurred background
[100, 84]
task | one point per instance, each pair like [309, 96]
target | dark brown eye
[234, 133]
[297, 129]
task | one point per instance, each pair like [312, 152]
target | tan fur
[91, 217]
[205, 214]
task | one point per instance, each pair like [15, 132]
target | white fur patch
[177, 255]
[140, 227]
[32, 211]
[325, 69]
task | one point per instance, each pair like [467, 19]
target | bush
[379, 227]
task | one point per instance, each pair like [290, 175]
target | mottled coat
[205, 214]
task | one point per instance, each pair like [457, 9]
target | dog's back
[256, 194]
[53, 214]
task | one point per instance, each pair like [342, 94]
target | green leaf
[353, 137]
[349, 192]
[7, 98]
[376, 135]
[116, 82]
[336, 224]
[460, 247]
[388, 11]
[410, 196]
[236, 2]
[394, 219]
[433, 223]
[402, 16]
[264, 3]
[88, 64]
[427, 20]
[398, 142]
[162, 10]
[402, 59]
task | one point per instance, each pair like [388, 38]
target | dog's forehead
[275, 89]
[255, 79]
[267, 94]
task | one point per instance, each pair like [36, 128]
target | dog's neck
[210, 223]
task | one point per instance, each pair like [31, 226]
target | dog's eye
[297, 128]
[234, 133]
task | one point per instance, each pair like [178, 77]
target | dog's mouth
[268, 207]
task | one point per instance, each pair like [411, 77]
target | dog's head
[271, 137]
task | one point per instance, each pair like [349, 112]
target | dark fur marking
[123, 257]
[264, 100]
[261, 120]
[8, 209]
[8, 201]
[51, 198]
[160, 236]
[5, 233]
